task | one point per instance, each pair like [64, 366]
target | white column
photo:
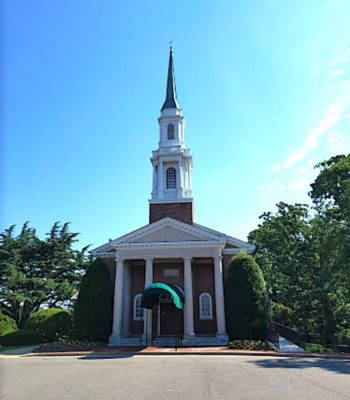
[181, 180]
[190, 178]
[188, 306]
[118, 301]
[161, 181]
[126, 298]
[219, 297]
[148, 313]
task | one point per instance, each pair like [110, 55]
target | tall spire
[171, 100]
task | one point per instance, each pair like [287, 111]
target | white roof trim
[229, 239]
[209, 236]
[174, 245]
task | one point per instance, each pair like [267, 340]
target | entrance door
[171, 320]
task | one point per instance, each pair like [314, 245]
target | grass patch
[251, 345]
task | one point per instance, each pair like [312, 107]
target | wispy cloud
[331, 117]
[296, 171]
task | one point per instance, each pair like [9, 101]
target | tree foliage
[51, 323]
[93, 310]
[35, 272]
[7, 324]
[304, 254]
[247, 305]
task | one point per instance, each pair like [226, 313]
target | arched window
[138, 310]
[205, 306]
[170, 131]
[171, 178]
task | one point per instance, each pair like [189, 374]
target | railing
[290, 334]
[306, 340]
[272, 337]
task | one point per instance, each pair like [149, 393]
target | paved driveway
[174, 377]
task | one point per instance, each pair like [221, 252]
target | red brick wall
[203, 281]
[137, 286]
[158, 272]
[181, 211]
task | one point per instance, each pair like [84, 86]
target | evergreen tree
[247, 305]
[36, 272]
[93, 310]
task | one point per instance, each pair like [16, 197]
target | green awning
[169, 290]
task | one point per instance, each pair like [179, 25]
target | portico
[179, 255]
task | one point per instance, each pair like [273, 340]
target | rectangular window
[171, 272]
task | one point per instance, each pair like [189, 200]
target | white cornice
[206, 236]
[173, 245]
[162, 201]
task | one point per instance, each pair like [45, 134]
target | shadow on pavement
[339, 366]
[100, 356]
[112, 352]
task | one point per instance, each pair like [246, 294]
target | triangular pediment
[167, 234]
[173, 232]
[166, 230]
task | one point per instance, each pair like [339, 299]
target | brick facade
[183, 211]
[203, 281]
[137, 286]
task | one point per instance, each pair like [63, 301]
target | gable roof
[169, 230]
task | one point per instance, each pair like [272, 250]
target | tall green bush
[247, 305]
[7, 324]
[93, 310]
[51, 323]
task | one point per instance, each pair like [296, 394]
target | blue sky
[264, 86]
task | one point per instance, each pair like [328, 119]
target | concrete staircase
[169, 341]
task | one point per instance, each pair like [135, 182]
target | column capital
[218, 253]
[149, 259]
[187, 258]
[119, 259]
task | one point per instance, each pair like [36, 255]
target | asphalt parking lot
[174, 377]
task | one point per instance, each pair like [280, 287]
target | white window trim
[173, 131]
[136, 299]
[166, 178]
[201, 316]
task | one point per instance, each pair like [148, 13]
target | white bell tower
[172, 162]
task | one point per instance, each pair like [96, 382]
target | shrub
[21, 337]
[7, 324]
[316, 348]
[251, 345]
[93, 310]
[247, 305]
[68, 345]
[51, 323]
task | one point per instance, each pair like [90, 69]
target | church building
[169, 275]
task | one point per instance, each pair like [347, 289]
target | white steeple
[172, 162]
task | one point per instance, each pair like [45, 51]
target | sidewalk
[287, 346]
[115, 352]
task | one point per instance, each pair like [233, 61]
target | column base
[114, 340]
[222, 338]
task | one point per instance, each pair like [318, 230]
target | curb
[101, 354]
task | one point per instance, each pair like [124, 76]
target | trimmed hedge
[51, 323]
[7, 324]
[21, 337]
[93, 310]
[247, 304]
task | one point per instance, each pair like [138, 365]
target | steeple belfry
[172, 162]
